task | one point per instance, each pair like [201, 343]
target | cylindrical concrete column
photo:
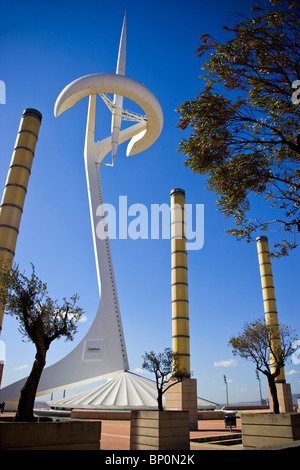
[15, 189]
[180, 305]
[269, 299]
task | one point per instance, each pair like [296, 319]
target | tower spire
[121, 63]
[118, 100]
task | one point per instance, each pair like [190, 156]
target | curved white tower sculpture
[102, 352]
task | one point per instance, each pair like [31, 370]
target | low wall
[211, 415]
[101, 414]
[285, 446]
[268, 429]
[52, 435]
[126, 415]
[247, 408]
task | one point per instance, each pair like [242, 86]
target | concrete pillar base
[183, 397]
[284, 397]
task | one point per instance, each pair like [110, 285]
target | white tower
[102, 352]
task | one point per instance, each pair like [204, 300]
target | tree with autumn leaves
[245, 125]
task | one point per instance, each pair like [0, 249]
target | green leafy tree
[41, 320]
[256, 343]
[165, 366]
[245, 125]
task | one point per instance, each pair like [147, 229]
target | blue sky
[43, 47]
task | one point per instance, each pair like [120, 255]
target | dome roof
[127, 391]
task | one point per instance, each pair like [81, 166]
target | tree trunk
[28, 392]
[273, 391]
[159, 401]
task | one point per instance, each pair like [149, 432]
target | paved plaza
[211, 435]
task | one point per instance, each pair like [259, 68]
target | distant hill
[256, 403]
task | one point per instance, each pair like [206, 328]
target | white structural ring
[119, 85]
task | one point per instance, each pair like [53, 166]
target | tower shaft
[15, 189]
[180, 306]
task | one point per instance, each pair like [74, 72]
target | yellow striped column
[269, 299]
[180, 305]
[182, 395]
[15, 189]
